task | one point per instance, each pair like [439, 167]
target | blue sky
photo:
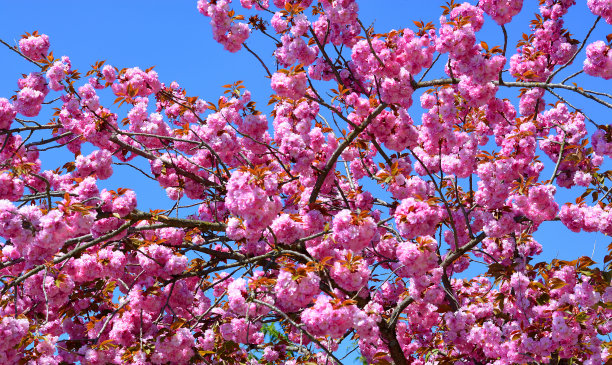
[178, 41]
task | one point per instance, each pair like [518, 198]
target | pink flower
[417, 258]
[11, 188]
[98, 162]
[326, 319]
[295, 291]
[12, 331]
[599, 60]
[278, 23]
[238, 329]
[109, 72]
[286, 229]
[175, 349]
[7, 113]
[125, 203]
[289, 86]
[602, 8]
[249, 198]
[582, 178]
[350, 275]
[89, 98]
[416, 218]
[35, 47]
[226, 31]
[353, 232]
[602, 143]
[540, 204]
[145, 83]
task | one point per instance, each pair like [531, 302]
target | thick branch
[14, 49]
[527, 84]
[177, 222]
[68, 255]
[461, 250]
[387, 330]
[334, 157]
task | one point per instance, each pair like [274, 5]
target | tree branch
[308, 334]
[334, 157]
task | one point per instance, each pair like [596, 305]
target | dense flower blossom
[353, 232]
[144, 83]
[230, 34]
[57, 72]
[98, 162]
[30, 98]
[294, 293]
[417, 258]
[599, 60]
[601, 8]
[344, 213]
[10, 187]
[417, 218]
[501, 11]
[290, 86]
[327, 318]
[7, 113]
[35, 46]
[248, 198]
[12, 330]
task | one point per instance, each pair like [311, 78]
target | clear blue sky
[175, 38]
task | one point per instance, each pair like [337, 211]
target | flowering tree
[343, 218]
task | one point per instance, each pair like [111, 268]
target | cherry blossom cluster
[338, 213]
[295, 291]
[328, 317]
[570, 130]
[33, 90]
[35, 47]
[7, 113]
[458, 38]
[549, 45]
[599, 60]
[502, 11]
[57, 72]
[229, 33]
[253, 200]
[601, 8]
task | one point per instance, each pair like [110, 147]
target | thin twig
[258, 58]
[308, 334]
[559, 159]
[14, 49]
[575, 54]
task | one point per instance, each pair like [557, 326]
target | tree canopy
[386, 199]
